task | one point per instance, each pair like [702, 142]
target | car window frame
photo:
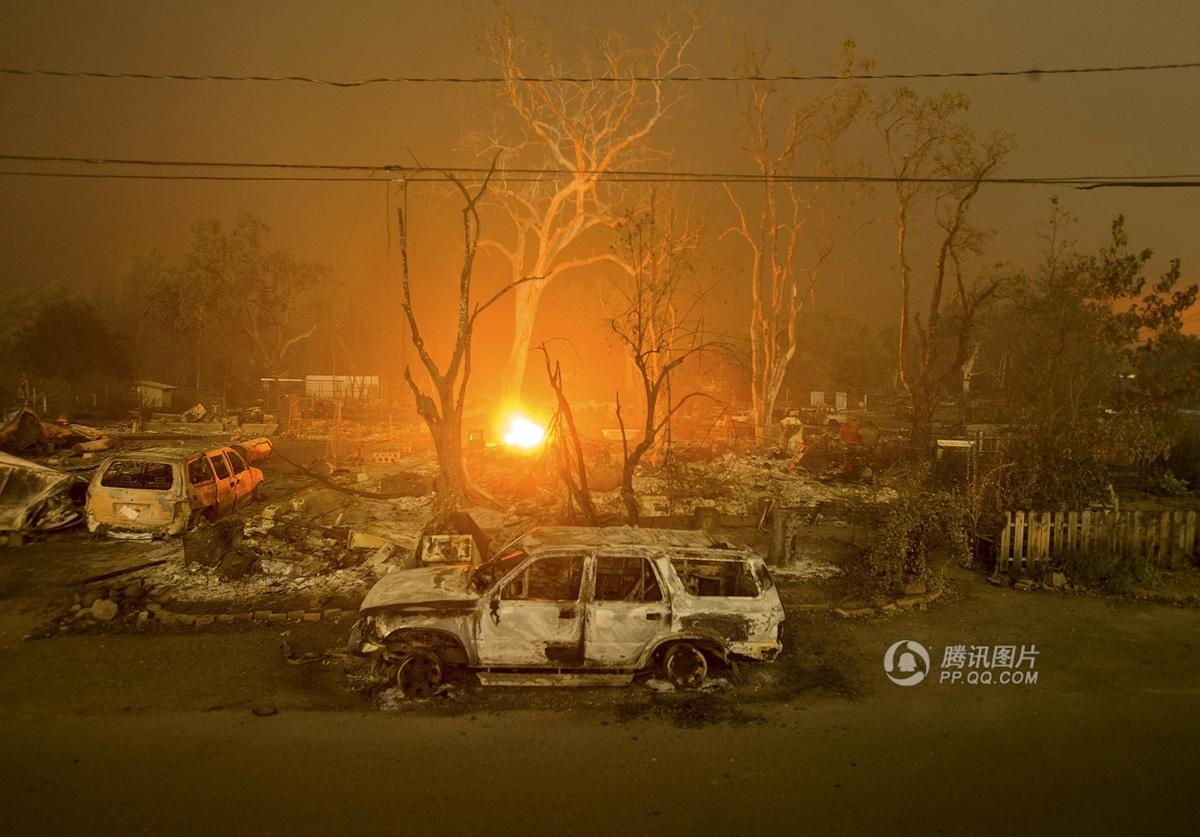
[212, 458]
[646, 560]
[234, 458]
[202, 458]
[747, 571]
[584, 557]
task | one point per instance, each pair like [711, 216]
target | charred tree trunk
[628, 466]
[571, 465]
[921, 428]
[446, 430]
[633, 458]
[443, 416]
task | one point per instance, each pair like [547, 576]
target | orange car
[164, 491]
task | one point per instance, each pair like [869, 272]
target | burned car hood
[423, 585]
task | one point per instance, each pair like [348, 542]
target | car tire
[684, 666]
[419, 674]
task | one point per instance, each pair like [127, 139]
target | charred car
[165, 491]
[572, 601]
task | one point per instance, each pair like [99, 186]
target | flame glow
[523, 433]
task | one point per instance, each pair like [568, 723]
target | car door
[243, 477]
[226, 495]
[626, 612]
[203, 484]
[535, 617]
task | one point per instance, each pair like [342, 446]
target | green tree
[243, 305]
[67, 340]
[837, 350]
[1087, 360]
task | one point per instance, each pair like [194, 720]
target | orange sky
[75, 231]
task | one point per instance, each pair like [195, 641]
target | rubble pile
[115, 601]
[317, 533]
[25, 432]
[730, 485]
[105, 603]
[740, 485]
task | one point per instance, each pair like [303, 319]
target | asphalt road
[142, 733]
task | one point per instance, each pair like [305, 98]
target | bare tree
[572, 467]
[443, 411]
[798, 223]
[935, 156]
[657, 325]
[575, 133]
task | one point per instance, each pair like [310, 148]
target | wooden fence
[1030, 540]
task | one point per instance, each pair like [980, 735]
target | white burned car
[574, 600]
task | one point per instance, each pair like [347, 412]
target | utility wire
[411, 173]
[443, 177]
[1032, 72]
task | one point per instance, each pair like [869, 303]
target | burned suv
[571, 601]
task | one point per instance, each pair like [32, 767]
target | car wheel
[419, 674]
[256, 494]
[684, 666]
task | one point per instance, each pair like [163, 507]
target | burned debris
[27, 433]
[34, 498]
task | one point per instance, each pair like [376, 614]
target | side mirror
[494, 608]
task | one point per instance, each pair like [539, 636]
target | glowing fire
[523, 433]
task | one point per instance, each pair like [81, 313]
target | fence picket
[1043, 552]
[1005, 558]
[1019, 537]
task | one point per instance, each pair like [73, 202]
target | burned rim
[419, 674]
[684, 665]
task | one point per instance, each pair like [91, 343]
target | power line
[1032, 72]
[445, 177]
[411, 172]
[225, 177]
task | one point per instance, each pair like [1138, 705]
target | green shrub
[1109, 571]
[920, 522]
